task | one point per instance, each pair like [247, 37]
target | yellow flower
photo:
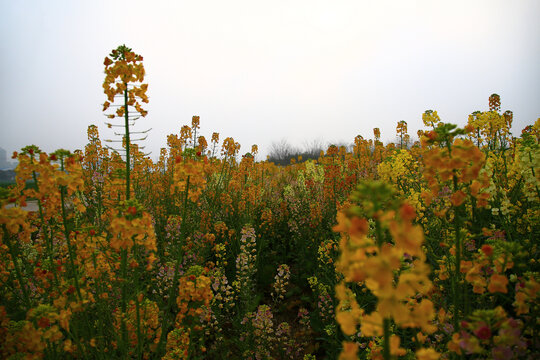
[349, 351]
[395, 350]
[348, 311]
[453, 345]
[421, 338]
[393, 307]
[497, 283]
[407, 237]
[423, 314]
[347, 322]
[457, 198]
[371, 325]
[427, 354]
[68, 346]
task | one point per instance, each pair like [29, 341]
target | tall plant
[124, 74]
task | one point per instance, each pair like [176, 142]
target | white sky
[261, 71]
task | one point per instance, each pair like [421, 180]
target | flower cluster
[125, 68]
[459, 163]
[490, 334]
[110, 254]
[245, 264]
[374, 263]
[486, 270]
[281, 280]
[142, 322]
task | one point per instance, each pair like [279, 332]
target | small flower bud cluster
[281, 281]
[223, 292]
[163, 279]
[490, 333]
[261, 333]
[325, 304]
[245, 264]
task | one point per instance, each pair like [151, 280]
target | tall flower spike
[401, 130]
[124, 74]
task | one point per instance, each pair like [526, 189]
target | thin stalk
[386, 339]
[386, 322]
[378, 233]
[48, 239]
[68, 240]
[170, 301]
[66, 234]
[457, 274]
[99, 303]
[139, 335]
[16, 265]
[128, 165]
[505, 169]
[123, 328]
[38, 200]
[456, 284]
[218, 184]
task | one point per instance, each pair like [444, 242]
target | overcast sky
[262, 71]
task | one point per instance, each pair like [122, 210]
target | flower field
[405, 251]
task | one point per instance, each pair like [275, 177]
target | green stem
[139, 335]
[128, 165]
[218, 184]
[456, 279]
[68, 240]
[378, 233]
[43, 229]
[171, 299]
[457, 274]
[386, 339]
[123, 328]
[16, 265]
[386, 321]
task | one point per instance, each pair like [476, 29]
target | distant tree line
[281, 152]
